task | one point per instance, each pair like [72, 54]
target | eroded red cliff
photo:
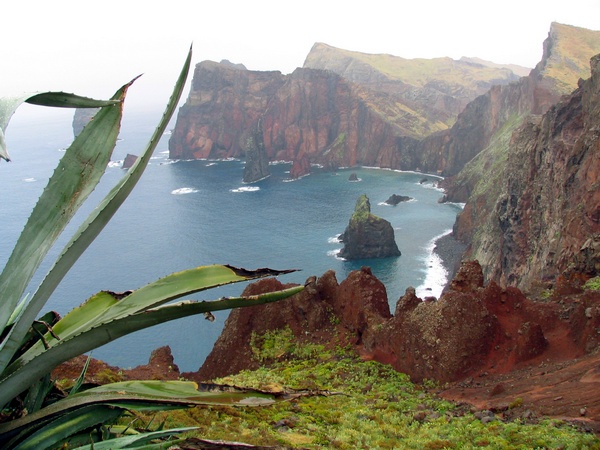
[472, 329]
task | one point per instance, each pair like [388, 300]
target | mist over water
[189, 213]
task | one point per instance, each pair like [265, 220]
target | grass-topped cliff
[418, 72]
[419, 96]
[566, 55]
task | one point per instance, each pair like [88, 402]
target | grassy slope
[453, 78]
[370, 406]
[418, 71]
[569, 59]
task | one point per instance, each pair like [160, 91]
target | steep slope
[434, 91]
[542, 219]
[566, 50]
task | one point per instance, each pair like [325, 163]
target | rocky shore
[450, 251]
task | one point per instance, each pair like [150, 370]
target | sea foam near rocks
[246, 189]
[436, 274]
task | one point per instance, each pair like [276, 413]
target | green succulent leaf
[75, 177]
[50, 430]
[137, 440]
[88, 408]
[67, 100]
[82, 332]
[98, 218]
[8, 106]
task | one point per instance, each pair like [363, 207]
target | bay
[189, 213]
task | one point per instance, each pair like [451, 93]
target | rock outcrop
[257, 161]
[367, 236]
[472, 329]
[394, 199]
[129, 161]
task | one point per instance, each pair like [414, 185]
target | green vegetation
[35, 413]
[339, 140]
[336, 400]
[593, 284]
[362, 210]
[571, 52]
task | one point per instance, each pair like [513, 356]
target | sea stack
[257, 161]
[367, 236]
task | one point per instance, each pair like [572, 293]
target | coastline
[450, 251]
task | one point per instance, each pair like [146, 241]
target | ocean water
[189, 213]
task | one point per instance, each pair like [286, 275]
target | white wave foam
[246, 189]
[412, 200]
[436, 275]
[115, 163]
[211, 164]
[335, 253]
[431, 186]
[182, 191]
[166, 152]
[334, 240]
[29, 180]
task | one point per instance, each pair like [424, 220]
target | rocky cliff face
[347, 108]
[502, 108]
[363, 116]
[222, 111]
[309, 115]
[367, 236]
[542, 219]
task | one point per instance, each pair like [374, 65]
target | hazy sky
[92, 48]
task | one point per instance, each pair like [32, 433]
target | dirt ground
[567, 390]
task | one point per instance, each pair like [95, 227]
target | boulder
[395, 199]
[368, 236]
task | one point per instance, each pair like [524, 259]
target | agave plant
[32, 346]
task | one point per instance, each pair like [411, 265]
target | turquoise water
[189, 213]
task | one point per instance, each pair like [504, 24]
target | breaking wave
[436, 274]
[182, 191]
[246, 189]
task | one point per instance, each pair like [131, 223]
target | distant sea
[184, 214]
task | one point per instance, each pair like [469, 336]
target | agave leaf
[132, 394]
[8, 106]
[37, 393]
[75, 177]
[50, 430]
[99, 217]
[33, 364]
[81, 378]
[136, 440]
[67, 100]
[106, 307]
